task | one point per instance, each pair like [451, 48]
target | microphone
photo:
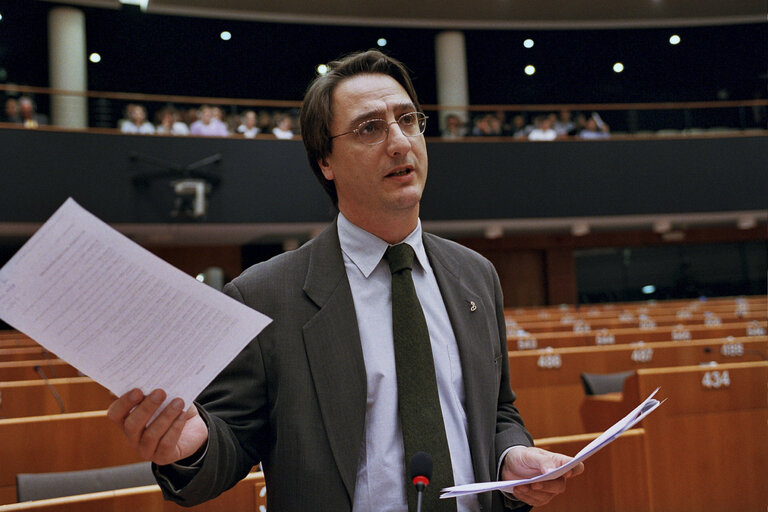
[421, 472]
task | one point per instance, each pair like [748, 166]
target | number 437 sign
[716, 379]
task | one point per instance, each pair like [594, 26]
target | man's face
[374, 181]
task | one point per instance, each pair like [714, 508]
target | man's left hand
[524, 462]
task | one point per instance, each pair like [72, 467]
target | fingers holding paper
[523, 462]
[173, 435]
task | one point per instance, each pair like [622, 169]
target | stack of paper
[606, 438]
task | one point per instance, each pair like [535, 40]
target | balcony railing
[107, 111]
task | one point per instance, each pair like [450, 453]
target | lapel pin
[472, 306]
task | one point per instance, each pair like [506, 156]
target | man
[314, 397]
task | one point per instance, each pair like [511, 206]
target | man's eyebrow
[405, 106]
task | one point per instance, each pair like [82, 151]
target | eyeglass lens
[375, 130]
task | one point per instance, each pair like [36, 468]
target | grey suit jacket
[294, 399]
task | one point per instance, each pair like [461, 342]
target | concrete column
[67, 66]
[451, 61]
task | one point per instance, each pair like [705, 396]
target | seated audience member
[519, 127]
[29, 116]
[169, 123]
[283, 127]
[265, 121]
[208, 124]
[595, 128]
[248, 127]
[543, 129]
[11, 111]
[500, 120]
[486, 125]
[564, 124]
[454, 127]
[136, 121]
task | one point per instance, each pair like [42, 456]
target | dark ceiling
[476, 14]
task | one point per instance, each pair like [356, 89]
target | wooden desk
[633, 335]
[548, 383]
[35, 397]
[708, 443]
[27, 370]
[614, 479]
[246, 496]
[60, 442]
[23, 353]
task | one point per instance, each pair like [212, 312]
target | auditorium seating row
[705, 448]
[714, 376]
[617, 309]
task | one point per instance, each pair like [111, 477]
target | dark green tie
[421, 418]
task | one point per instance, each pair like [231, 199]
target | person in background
[454, 127]
[543, 129]
[520, 129]
[30, 118]
[208, 124]
[136, 121]
[11, 111]
[595, 128]
[283, 127]
[169, 123]
[564, 124]
[248, 128]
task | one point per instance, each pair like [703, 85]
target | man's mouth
[401, 172]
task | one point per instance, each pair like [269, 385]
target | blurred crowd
[537, 127]
[208, 120]
[23, 111]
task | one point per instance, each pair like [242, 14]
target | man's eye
[368, 128]
[408, 119]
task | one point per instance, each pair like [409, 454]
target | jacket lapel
[468, 312]
[332, 342]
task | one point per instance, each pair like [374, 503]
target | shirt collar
[366, 250]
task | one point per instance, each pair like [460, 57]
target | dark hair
[316, 114]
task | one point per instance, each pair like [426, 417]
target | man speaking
[386, 341]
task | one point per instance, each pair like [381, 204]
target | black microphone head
[421, 465]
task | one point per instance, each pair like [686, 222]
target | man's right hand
[172, 436]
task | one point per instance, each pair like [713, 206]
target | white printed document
[118, 313]
[641, 411]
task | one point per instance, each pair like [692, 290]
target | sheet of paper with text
[118, 313]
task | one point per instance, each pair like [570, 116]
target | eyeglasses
[375, 131]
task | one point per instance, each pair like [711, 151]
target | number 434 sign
[716, 379]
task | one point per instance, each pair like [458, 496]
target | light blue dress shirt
[380, 484]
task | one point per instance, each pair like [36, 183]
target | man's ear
[325, 167]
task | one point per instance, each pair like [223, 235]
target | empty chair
[40, 486]
[602, 383]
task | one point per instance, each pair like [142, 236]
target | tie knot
[399, 257]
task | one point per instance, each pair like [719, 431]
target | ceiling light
[618, 67]
[322, 69]
[529, 70]
[381, 42]
[649, 289]
[225, 36]
[528, 43]
[94, 57]
[674, 39]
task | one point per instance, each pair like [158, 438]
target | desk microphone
[421, 472]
